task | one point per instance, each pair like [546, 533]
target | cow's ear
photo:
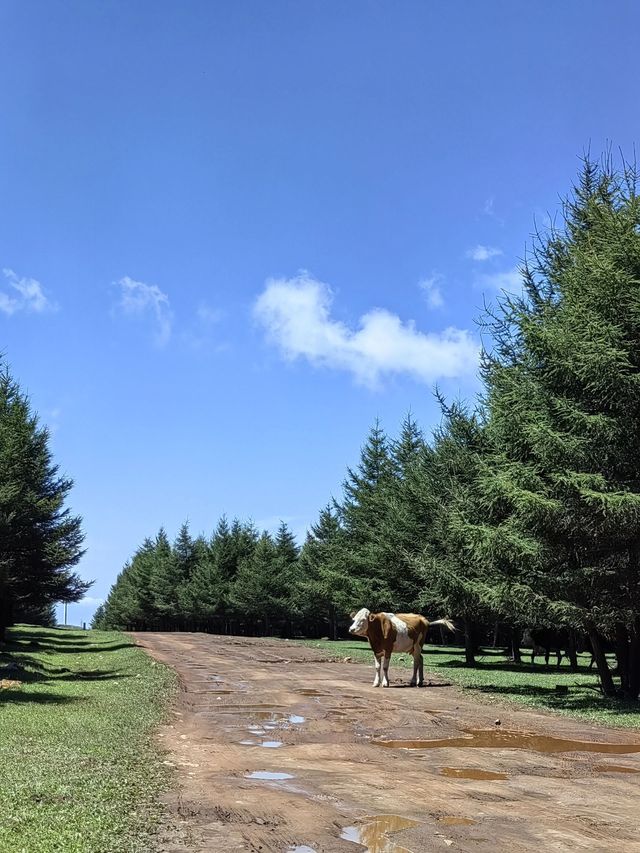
[372, 617]
[352, 615]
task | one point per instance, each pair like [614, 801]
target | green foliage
[523, 509]
[40, 541]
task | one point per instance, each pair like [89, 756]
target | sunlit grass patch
[80, 772]
[498, 678]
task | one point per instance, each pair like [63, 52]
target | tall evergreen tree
[40, 541]
[362, 513]
[562, 489]
[324, 592]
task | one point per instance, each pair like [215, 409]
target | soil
[280, 750]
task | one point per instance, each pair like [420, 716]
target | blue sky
[233, 234]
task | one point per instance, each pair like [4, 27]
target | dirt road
[280, 750]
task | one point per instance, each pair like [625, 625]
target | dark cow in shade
[394, 632]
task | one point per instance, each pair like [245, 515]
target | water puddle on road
[373, 833]
[471, 773]
[490, 739]
[614, 768]
[296, 720]
[269, 776]
[300, 848]
[450, 820]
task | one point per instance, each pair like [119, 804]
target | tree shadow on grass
[15, 696]
[511, 666]
[579, 701]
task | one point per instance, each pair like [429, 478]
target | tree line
[522, 507]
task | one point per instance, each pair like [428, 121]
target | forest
[521, 508]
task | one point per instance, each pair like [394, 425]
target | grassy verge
[79, 770]
[499, 679]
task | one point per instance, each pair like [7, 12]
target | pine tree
[203, 596]
[253, 595]
[362, 513]
[40, 541]
[325, 591]
[562, 490]
[166, 578]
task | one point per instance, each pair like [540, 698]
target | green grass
[79, 770]
[497, 679]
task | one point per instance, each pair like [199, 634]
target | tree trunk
[572, 652]
[496, 631]
[515, 645]
[6, 615]
[622, 656]
[333, 628]
[633, 689]
[469, 643]
[606, 679]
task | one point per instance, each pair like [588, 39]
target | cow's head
[360, 624]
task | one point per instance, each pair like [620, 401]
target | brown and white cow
[394, 632]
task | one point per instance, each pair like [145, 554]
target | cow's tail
[446, 622]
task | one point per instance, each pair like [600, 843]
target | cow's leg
[385, 670]
[376, 680]
[417, 678]
[418, 670]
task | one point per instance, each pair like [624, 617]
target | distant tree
[324, 592]
[98, 618]
[203, 596]
[256, 594]
[361, 513]
[40, 541]
[166, 576]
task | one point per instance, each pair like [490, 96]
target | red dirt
[501, 792]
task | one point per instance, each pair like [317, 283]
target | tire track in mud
[251, 706]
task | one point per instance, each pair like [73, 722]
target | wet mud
[278, 750]
[492, 739]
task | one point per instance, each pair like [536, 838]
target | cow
[394, 632]
[544, 641]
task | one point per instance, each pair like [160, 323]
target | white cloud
[24, 294]
[296, 316]
[431, 290]
[510, 280]
[136, 297]
[90, 600]
[483, 253]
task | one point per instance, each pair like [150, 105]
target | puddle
[490, 739]
[471, 773]
[248, 743]
[271, 744]
[456, 821]
[373, 833]
[300, 848]
[296, 720]
[614, 768]
[268, 776]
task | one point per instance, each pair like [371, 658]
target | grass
[79, 770]
[498, 679]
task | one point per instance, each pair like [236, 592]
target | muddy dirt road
[280, 750]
